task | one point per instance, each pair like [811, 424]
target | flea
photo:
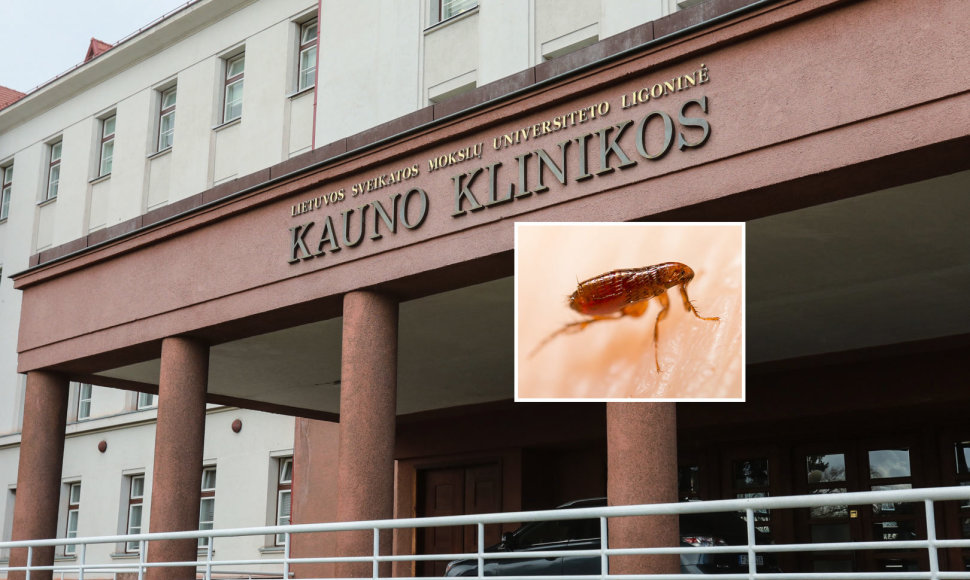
[620, 293]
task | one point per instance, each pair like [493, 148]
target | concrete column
[642, 468]
[179, 435]
[39, 474]
[368, 402]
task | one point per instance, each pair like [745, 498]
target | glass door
[858, 466]
[889, 468]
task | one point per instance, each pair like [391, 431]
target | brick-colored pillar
[177, 472]
[642, 468]
[368, 402]
[39, 474]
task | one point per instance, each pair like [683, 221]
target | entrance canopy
[727, 122]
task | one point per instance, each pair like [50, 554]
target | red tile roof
[8, 96]
[95, 48]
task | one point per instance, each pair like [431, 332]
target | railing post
[481, 549]
[208, 559]
[604, 544]
[377, 550]
[80, 572]
[142, 548]
[752, 556]
[286, 556]
[934, 556]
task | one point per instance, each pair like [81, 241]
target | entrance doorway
[456, 490]
[860, 466]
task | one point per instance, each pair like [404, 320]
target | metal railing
[209, 567]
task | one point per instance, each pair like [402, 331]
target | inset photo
[629, 311]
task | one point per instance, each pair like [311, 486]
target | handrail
[209, 567]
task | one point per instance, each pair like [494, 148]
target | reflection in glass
[824, 533]
[898, 565]
[894, 530]
[892, 508]
[965, 527]
[822, 468]
[832, 566]
[762, 517]
[886, 463]
[829, 511]
[689, 481]
[962, 450]
[751, 473]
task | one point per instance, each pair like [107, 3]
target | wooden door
[456, 490]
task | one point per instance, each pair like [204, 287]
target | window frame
[230, 82]
[437, 9]
[53, 169]
[84, 398]
[139, 406]
[6, 190]
[166, 139]
[106, 157]
[73, 509]
[306, 76]
[135, 500]
[207, 494]
[284, 486]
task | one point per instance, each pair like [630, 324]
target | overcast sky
[40, 39]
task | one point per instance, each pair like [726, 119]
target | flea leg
[573, 327]
[690, 305]
[665, 306]
[636, 309]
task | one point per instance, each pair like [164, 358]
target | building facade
[198, 99]
[341, 256]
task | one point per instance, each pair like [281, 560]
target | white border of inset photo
[587, 301]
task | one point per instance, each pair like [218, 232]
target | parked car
[713, 529]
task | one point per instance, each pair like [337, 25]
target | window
[53, 171]
[7, 532]
[283, 491]
[444, 9]
[145, 400]
[166, 120]
[207, 507]
[234, 88]
[136, 495]
[107, 145]
[7, 178]
[83, 401]
[308, 55]
[73, 507]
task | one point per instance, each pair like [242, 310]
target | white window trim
[436, 14]
[135, 500]
[304, 48]
[81, 399]
[52, 163]
[164, 112]
[107, 141]
[232, 81]
[6, 190]
[283, 487]
[207, 494]
[138, 401]
[75, 509]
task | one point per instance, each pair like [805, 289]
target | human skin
[614, 359]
